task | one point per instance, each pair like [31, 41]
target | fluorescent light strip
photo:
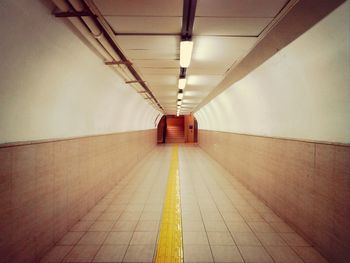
[180, 95]
[185, 53]
[182, 83]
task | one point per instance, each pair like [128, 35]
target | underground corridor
[178, 131]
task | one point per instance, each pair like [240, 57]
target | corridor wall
[284, 131]
[70, 129]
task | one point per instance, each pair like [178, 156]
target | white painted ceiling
[148, 32]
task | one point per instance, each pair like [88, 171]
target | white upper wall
[301, 92]
[54, 86]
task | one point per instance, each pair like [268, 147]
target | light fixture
[185, 53]
[182, 83]
[180, 95]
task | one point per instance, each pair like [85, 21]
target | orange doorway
[182, 129]
[175, 131]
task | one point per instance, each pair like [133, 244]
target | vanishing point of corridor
[222, 221]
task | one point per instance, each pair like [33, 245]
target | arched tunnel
[175, 131]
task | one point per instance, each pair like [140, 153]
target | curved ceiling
[301, 92]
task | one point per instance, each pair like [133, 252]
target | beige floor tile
[271, 239]
[226, 254]
[115, 208]
[293, 239]
[110, 253]
[253, 254]
[197, 253]
[284, 255]
[144, 238]
[82, 226]
[71, 238]
[195, 238]
[139, 253]
[281, 227]
[215, 225]
[246, 239]
[310, 255]
[91, 216]
[147, 225]
[211, 216]
[134, 207]
[56, 254]
[220, 238]
[112, 216]
[238, 227]
[93, 238]
[261, 227]
[190, 225]
[125, 225]
[232, 217]
[271, 217]
[82, 253]
[150, 216]
[118, 238]
[127, 216]
[101, 226]
[253, 217]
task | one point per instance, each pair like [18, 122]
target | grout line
[200, 211]
[230, 181]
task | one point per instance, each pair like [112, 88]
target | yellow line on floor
[170, 247]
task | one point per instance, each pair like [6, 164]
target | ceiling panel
[203, 80]
[162, 79]
[169, 43]
[151, 54]
[140, 7]
[220, 49]
[142, 24]
[229, 26]
[159, 71]
[239, 8]
[202, 67]
[157, 63]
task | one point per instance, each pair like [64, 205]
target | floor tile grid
[260, 238]
[249, 197]
[266, 247]
[210, 182]
[140, 185]
[131, 178]
[199, 168]
[159, 183]
[186, 173]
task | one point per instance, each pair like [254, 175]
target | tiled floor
[222, 220]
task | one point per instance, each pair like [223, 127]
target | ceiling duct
[86, 18]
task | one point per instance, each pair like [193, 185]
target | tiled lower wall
[306, 183]
[46, 187]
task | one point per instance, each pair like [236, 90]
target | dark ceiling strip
[182, 72]
[189, 12]
[146, 34]
[188, 15]
[134, 81]
[72, 14]
[118, 63]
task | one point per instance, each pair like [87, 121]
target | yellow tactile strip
[170, 247]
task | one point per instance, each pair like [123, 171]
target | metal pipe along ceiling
[91, 28]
